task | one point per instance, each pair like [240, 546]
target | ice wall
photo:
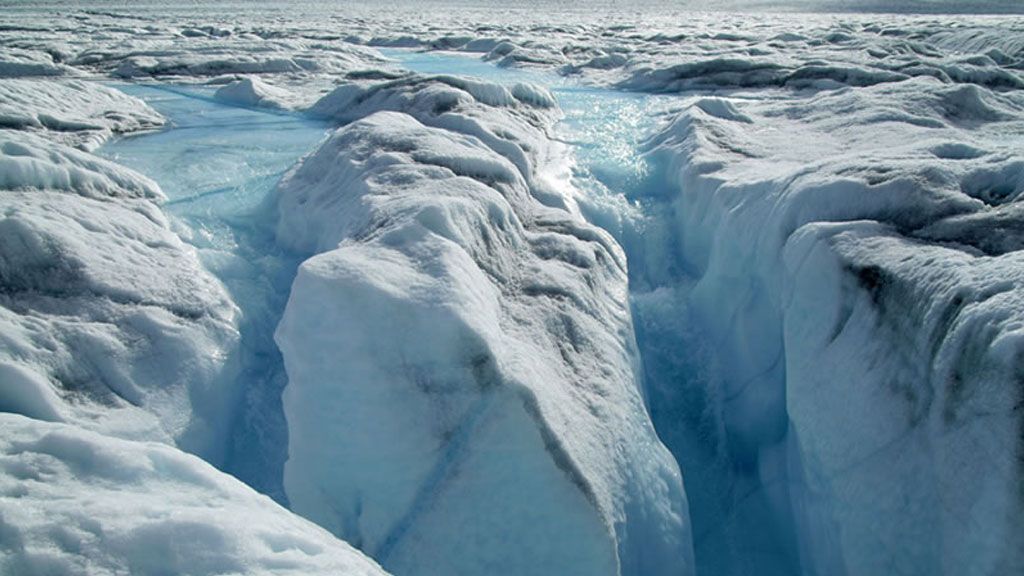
[866, 332]
[109, 320]
[462, 393]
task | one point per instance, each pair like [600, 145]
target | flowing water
[216, 163]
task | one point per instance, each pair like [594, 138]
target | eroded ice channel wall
[826, 345]
[865, 331]
[462, 393]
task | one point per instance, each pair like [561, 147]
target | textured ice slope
[866, 328]
[100, 297]
[76, 112]
[458, 307]
[75, 502]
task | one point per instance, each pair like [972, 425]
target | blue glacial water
[216, 163]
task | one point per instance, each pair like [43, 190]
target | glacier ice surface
[77, 502]
[79, 113]
[807, 279]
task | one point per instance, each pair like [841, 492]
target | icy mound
[100, 298]
[469, 107]
[75, 112]
[484, 334]
[169, 56]
[508, 55]
[864, 326]
[76, 502]
[16, 63]
[30, 162]
[253, 92]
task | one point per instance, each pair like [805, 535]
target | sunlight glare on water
[606, 126]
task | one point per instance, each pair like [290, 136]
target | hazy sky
[898, 6]
[957, 6]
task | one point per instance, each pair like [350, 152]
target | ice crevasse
[459, 348]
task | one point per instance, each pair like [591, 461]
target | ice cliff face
[100, 296]
[456, 307]
[865, 326]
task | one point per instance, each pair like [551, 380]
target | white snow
[76, 502]
[79, 113]
[101, 298]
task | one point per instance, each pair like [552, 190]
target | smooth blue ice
[216, 163]
[213, 161]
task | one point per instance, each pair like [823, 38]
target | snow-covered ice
[865, 263]
[481, 291]
[79, 113]
[77, 502]
[101, 296]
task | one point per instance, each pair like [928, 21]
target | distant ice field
[599, 7]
